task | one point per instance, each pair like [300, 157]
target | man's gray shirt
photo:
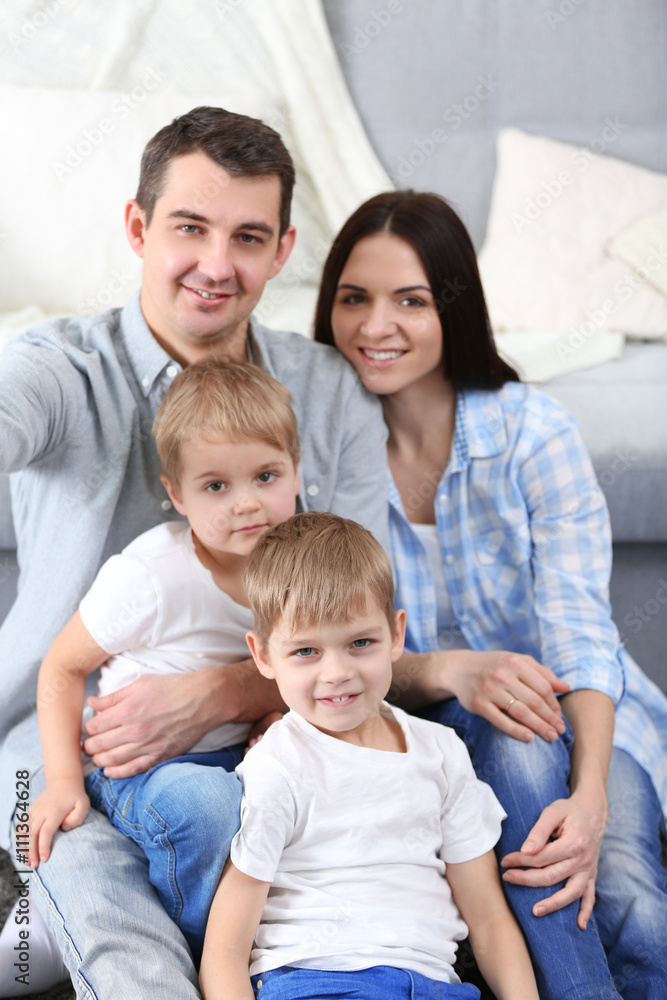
[77, 403]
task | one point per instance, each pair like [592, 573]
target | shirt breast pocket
[503, 546]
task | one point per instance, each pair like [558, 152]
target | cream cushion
[544, 267]
[643, 247]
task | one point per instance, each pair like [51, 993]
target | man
[77, 401]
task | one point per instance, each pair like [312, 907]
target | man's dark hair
[243, 146]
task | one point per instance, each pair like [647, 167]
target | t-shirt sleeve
[268, 816]
[471, 814]
[121, 608]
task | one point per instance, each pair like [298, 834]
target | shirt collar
[480, 428]
[147, 359]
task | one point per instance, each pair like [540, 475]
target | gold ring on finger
[509, 704]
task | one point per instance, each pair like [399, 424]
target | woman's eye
[411, 300]
[353, 299]
[215, 487]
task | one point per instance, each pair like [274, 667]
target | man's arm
[495, 938]
[159, 717]
[233, 920]
[576, 824]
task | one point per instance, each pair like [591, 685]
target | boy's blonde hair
[232, 398]
[313, 569]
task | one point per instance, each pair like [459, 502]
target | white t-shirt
[157, 610]
[355, 843]
[450, 635]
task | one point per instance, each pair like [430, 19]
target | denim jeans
[382, 982]
[173, 812]
[631, 907]
[569, 964]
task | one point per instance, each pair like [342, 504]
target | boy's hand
[63, 804]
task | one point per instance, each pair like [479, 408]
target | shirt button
[166, 505]
[449, 559]
[145, 381]
[313, 490]
[259, 984]
[172, 371]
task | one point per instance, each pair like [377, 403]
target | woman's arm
[232, 924]
[60, 695]
[496, 940]
[577, 824]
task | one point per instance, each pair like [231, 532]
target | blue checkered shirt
[526, 550]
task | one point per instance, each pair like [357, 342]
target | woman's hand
[513, 691]
[63, 803]
[564, 845]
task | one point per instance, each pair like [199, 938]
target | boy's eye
[215, 487]
[266, 477]
[361, 643]
[305, 651]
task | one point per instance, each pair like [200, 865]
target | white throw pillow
[543, 263]
[71, 161]
[643, 247]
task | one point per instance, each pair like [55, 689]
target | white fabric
[157, 610]
[543, 265]
[355, 843]
[643, 247]
[450, 635]
[134, 67]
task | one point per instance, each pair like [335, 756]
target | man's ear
[259, 656]
[399, 635]
[135, 226]
[173, 494]
[285, 247]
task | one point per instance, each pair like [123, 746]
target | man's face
[208, 251]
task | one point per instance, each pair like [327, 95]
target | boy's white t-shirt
[157, 610]
[355, 843]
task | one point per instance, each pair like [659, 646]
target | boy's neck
[225, 568]
[377, 732]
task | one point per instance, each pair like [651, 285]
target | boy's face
[233, 491]
[334, 675]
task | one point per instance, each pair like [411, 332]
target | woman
[501, 544]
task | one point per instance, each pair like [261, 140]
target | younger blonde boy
[170, 603]
[366, 842]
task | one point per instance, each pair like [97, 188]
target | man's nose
[215, 261]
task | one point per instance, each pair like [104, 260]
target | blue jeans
[625, 937]
[173, 812]
[569, 964]
[631, 907]
[382, 982]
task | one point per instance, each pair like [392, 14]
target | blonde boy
[173, 602]
[352, 810]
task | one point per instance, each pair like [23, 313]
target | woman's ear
[259, 656]
[173, 494]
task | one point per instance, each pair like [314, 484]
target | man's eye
[215, 487]
[266, 477]
[248, 238]
[189, 228]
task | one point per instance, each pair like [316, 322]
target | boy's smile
[335, 675]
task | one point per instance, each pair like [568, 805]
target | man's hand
[513, 691]
[63, 803]
[576, 827]
[159, 717]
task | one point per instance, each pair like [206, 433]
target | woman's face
[384, 317]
